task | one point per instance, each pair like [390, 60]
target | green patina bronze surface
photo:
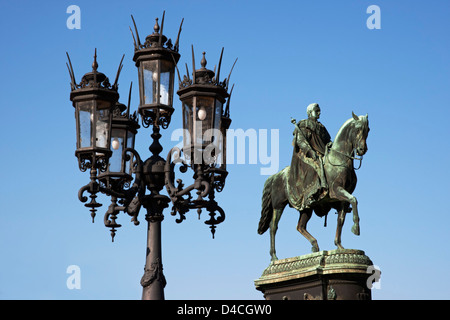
[340, 274]
[321, 176]
[318, 263]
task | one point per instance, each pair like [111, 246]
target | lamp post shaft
[153, 281]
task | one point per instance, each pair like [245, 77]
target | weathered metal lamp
[205, 121]
[94, 99]
[123, 132]
[205, 124]
[105, 142]
[202, 114]
[156, 60]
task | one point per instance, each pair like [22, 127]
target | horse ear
[355, 116]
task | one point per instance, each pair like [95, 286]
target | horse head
[360, 133]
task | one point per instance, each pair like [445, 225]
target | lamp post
[105, 143]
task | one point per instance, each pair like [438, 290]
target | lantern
[156, 60]
[123, 131]
[203, 99]
[93, 99]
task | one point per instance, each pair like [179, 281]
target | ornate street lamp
[156, 60]
[123, 132]
[94, 99]
[205, 123]
[123, 175]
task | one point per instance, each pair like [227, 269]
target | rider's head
[313, 111]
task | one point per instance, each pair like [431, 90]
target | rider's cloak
[304, 189]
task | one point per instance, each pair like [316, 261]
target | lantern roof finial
[156, 45]
[203, 61]
[93, 79]
[202, 75]
[156, 39]
[156, 26]
[95, 64]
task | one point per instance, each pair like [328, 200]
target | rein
[346, 155]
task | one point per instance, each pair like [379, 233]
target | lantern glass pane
[218, 138]
[102, 128]
[85, 118]
[187, 122]
[217, 115]
[130, 144]
[130, 139]
[117, 146]
[217, 125]
[212, 137]
[204, 117]
[149, 79]
[165, 89]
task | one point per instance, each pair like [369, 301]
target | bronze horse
[340, 174]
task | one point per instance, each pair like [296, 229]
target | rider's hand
[313, 154]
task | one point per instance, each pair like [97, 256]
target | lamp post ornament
[106, 134]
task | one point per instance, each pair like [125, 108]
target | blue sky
[290, 54]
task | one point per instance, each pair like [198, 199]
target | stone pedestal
[326, 275]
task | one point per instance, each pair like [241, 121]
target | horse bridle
[346, 155]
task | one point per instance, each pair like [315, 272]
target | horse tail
[266, 207]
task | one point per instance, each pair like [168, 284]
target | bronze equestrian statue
[321, 177]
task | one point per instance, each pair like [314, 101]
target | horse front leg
[355, 227]
[344, 195]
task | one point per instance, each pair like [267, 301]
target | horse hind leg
[301, 227]
[273, 230]
[340, 223]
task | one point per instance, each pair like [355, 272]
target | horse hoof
[315, 248]
[355, 229]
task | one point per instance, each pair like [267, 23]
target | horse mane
[343, 128]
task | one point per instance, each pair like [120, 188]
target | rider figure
[312, 140]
